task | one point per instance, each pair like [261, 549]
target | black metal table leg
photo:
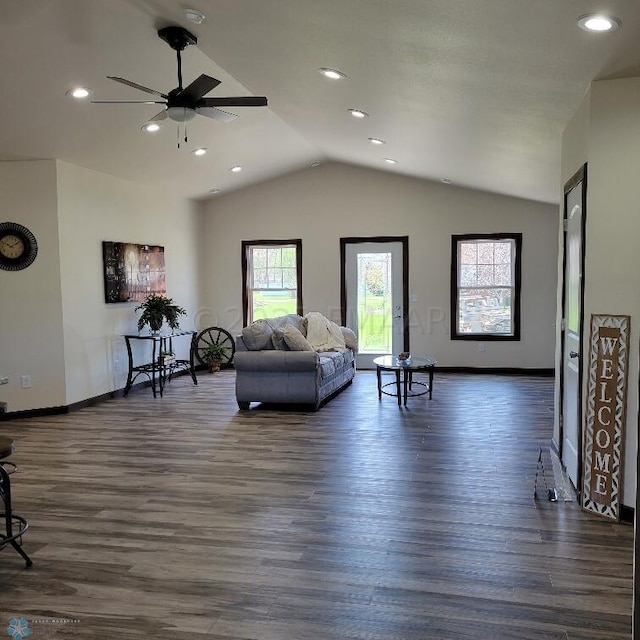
[9, 537]
[431, 382]
[192, 353]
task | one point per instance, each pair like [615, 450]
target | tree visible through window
[485, 286]
[272, 278]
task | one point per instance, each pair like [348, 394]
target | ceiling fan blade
[159, 116]
[199, 87]
[137, 86]
[216, 114]
[243, 101]
[128, 102]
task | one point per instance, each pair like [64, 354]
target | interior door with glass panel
[374, 297]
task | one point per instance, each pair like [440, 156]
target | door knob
[574, 354]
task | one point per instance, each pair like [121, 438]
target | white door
[571, 398]
[374, 298]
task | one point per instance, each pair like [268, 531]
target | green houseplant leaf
[213, 355]
[156, 309]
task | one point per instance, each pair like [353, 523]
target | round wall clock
[18, 246]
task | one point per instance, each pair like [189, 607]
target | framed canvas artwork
[132, 271]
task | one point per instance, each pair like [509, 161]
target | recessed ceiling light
[357, 113]
[598, 23]
[235, 169]
[445, 181]
[214, 190]
[391, 161]
[376, 141]
[194, 15]
[315, 164]
[199, 152]
[79, 93]
[333, 74]
[150, 127]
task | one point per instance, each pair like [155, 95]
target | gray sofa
[269, 368]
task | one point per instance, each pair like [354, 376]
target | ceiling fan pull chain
[178, 134]
[185, 132]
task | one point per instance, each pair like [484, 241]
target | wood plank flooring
[181, 517]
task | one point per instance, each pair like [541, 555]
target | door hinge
[565, 224]
[563, 324]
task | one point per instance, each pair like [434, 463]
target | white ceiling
[477, 92]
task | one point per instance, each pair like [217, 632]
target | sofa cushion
[292, 319]
[327, 365]
[277, 338]
[295, 340]
[257, 336]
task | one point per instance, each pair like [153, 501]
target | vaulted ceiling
[476, 93]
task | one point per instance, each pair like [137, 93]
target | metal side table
[402, 388]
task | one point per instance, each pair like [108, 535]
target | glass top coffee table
[404, 381]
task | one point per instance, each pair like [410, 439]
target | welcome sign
[605, 415]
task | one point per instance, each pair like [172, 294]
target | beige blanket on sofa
[323, 334]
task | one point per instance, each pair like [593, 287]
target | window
[271, 278]
[485, 286]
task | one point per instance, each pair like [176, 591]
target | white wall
[612, 265]
[323, 204]
[94, 207]
[30, 304]
[605, 132]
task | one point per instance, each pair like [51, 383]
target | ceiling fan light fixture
[598, 23]
[150, 127]
[358, 113]
[79, 93]
[181, 114]
[199, 152]
[332, 74]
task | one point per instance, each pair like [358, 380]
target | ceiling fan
[184, 103]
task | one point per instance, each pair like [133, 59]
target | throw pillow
[278, 340]
[293, 319]
[257, 336]
[350, 338]
[295, 340]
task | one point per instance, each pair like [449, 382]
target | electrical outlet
[4, 380]
[481, 347]
[25, 382]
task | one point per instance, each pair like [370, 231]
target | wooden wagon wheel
[215, 335]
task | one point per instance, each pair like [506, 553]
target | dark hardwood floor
[181, 517]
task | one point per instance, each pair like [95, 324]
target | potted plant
[166, 358]
[213, 355]
[155, 310]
